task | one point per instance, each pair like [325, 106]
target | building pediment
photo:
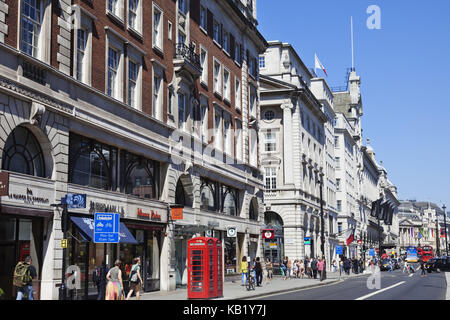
[271, 160]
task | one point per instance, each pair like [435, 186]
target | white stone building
[292, 144]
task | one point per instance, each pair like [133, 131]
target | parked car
[438, 264]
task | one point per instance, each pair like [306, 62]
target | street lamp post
[437, 237]
[445, 229]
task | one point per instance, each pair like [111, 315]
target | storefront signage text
[153, 215]
[29, 198]
[102, 207]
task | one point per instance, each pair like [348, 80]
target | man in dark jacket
[99, 279]
[314, 267]
[347, 266]
[259, 272]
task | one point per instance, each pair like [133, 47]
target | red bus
[426, 253]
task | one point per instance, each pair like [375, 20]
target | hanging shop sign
[231, 232]
[268, 233]
[176, 213]
[152, 215]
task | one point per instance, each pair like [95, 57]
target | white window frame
[226, 41]
[237, 94]
[252, 96]
[183, 9]
[114, 43]
[42, 35]
[137, 28]
[218, 129]
[270, 141]
[204, 121]
[118, 11]
[181, 125]
[227, 135]
[204, 21]
[226, 84]
[83, 21]
[217, 77]
[204, 63]
[158, 39]
[270, 178]
[216, 41]
[239, 140]
[158, 73]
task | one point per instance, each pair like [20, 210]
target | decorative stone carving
[37, 111]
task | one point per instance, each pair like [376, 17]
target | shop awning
[86, 227]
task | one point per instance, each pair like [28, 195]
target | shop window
[92, 163]
[140, 176]
[23, 154]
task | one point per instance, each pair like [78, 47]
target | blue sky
[405, 75]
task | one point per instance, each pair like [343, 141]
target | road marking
[379, 291]
[411, 275]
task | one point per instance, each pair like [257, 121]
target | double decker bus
[426, 253]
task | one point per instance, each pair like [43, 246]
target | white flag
[319, 65]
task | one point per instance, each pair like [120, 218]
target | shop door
[181, 258]
[7, 265]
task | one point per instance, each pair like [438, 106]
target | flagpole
[353, 52]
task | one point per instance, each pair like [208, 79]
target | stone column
[287, 144]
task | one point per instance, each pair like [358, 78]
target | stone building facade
[140, 105]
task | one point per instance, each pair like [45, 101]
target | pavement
[232, 290]
[447, 278]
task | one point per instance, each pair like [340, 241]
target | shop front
[142, 231]
[25, 215]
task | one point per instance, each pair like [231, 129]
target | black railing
[187, 53]
[33, 72]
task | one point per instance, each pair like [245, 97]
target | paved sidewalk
[234, 290]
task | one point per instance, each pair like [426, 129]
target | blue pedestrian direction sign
[339, 250]
[372, 252]
[106, 227]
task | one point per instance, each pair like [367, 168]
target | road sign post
[106, 227]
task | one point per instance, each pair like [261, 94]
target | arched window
[208, 198]
[23, 154]
[180, 197]
[253, 211]
[91, 163]
[140, 176]
[229, 204]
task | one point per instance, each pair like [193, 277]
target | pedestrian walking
[284, 267]
[295, 269]
[244, 270]
[314, 267]
[422, 267]
[135, 279]
[390, 265]
[24, 273]
[308, 267]
[114, 288]
[269, 269]
[334, 265]
[321, 268]
[99, 280]
[405, 266]
[302, 269]
[258, 272]
[289, 268]
[347, 266]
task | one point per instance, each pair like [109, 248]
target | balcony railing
[188, 53]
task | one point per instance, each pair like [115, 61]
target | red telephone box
[204, 263]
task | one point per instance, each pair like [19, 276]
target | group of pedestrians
[310, 267]
[255, 269]
[109, 282]
[354, 265]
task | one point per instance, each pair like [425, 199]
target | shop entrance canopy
[86, 227]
